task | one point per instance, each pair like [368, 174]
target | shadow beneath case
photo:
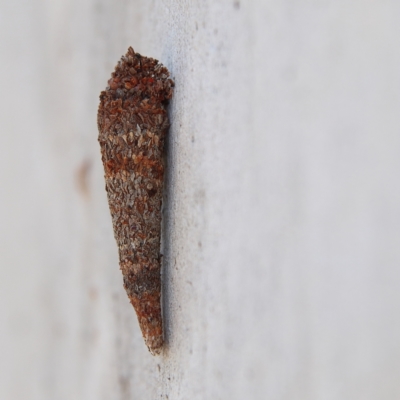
[167, 227]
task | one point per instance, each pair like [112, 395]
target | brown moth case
[133, 121]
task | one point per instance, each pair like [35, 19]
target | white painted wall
[282, 212]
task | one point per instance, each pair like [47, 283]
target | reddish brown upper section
[138, 84]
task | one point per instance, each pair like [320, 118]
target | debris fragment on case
[133, 121]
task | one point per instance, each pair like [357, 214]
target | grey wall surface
[281, 234]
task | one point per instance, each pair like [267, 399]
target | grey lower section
[281, 238]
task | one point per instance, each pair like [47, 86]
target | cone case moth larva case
[133, 121]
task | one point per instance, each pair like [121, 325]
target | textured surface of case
[133, 122]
